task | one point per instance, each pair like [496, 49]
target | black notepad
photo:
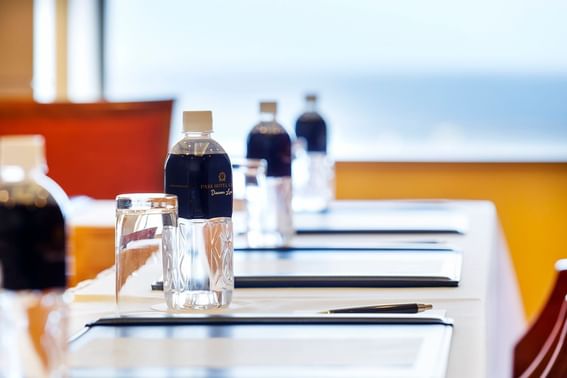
[373, 218]
[312, 267]
[357, 230]
[382, 247]
[346, 268]
[259, 346]
[267, 319]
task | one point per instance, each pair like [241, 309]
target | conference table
[482, 308]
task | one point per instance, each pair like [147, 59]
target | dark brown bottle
[270, 141]
[32, 223]
[312, 127]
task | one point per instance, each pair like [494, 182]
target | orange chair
[97, 149]
[528, 351]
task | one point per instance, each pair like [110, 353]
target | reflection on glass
[145, 229]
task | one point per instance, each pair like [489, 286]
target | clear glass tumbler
[146, 229]
[263, 204]
[249, 183]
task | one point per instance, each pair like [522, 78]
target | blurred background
[434, 99]
[397, 80]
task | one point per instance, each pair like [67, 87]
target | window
[398, 80]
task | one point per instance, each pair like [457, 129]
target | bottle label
[274, 148]
[32, 247]
[312, 128]
[203, 185]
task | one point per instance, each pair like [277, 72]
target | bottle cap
[311, 97]
[26, 151]
[268, 107]
[198, 121]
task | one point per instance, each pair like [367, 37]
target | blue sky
[333, 35]
[393, 75]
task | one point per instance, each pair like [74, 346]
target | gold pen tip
[424, 307]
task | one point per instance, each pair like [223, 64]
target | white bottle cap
[198, 121]
[311, 97]
[268, 107]
[26, 151]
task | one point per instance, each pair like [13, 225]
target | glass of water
[249, 176]
[146, 227]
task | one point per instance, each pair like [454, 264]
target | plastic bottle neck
[267, 117]
[14, 173]
[197, 134]
[310, 106]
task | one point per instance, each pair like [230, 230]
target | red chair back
[546, 357]
[97, 149]
[557, 366]
[533, 341]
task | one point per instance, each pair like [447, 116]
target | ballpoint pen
[404, 308]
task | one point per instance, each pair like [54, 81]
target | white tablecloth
[486, 307]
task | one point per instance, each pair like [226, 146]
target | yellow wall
[531, 199]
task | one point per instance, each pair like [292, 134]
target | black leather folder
[269, 345]
[371, 218]
[266, 319]
[345, 267]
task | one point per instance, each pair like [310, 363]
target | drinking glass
[249, 183]
[146, 226]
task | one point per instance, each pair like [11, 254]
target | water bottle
[268, 140]
[199, 273]
[33, 306]
[313, 176]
